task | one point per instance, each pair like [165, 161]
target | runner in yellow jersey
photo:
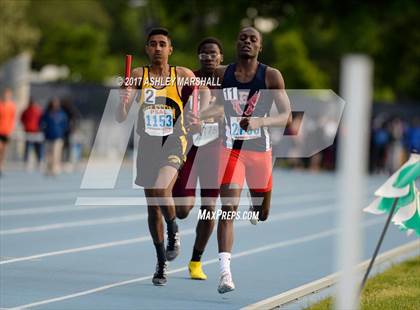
[161, 128]
[162, 143]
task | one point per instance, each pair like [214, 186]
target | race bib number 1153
[158, 122]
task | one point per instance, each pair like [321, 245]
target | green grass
[396, 288]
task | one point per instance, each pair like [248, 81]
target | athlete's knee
[161, 192]
[153, 212]
[182, 211]
[208, 208]
[230, 200]
[230, 194]
[228, 213]
[228, 207]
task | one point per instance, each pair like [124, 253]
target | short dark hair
[209, 40]
[156, 31]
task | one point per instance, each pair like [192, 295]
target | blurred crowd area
[392, 139]
[44, 137]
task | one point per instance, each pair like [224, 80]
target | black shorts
[202, 164]
[152, 156]
[4, 138]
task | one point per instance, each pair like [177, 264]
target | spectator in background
[413, 136]
[396, 154]
[7, 122]
[54, 123]
[34, 137]
[329, 127]
[380, 140]
[73, 116]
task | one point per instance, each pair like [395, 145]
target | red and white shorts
[256, 168]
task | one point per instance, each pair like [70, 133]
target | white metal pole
[356, 89]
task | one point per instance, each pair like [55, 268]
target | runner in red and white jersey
[249, 88]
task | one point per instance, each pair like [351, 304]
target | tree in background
[16, 34]
[75, 34]
[306, 42]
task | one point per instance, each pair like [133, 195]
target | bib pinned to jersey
[209, 133]
[237, 133]
[159, 121]
[161, 108]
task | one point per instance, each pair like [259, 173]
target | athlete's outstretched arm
[275, 82]
[127, 96]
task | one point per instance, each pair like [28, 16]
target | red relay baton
[127, 70]
[195, 101]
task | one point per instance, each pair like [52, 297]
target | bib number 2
[149, 96]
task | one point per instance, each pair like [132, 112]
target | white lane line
[103, 221]
[272, 218]
[48, 192]
[283, 200]
[58, 195]
[53, 196]
[23, 190]
[12, 190]
[113, 201]
[278, 245]
[131, 200]
[80, 249]
[38, 184]
[57, 209]
[104, 201]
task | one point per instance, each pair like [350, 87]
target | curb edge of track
[328, 281]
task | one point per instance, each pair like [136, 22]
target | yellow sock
[196, 271]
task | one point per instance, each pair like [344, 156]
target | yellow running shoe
[196, 272]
